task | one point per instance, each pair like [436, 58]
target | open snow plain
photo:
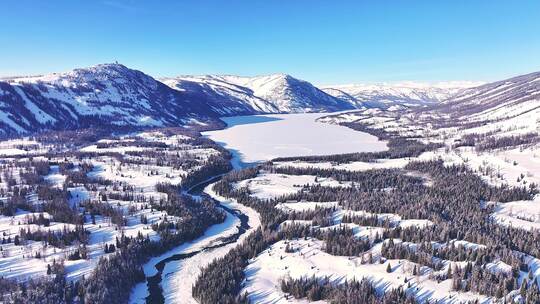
[263, 137]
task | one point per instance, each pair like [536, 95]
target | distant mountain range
[112, 95]
[509, 107]
[503, 109]
[398, 95]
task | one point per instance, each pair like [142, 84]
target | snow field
[264, 273]
[271, 185]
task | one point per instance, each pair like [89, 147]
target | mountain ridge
[274, 93]
[115, 96]
[404, 94]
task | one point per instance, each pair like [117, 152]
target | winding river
[154, 288]
[237, 223]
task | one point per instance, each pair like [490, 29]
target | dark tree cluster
[215, 165]
[369, 220]
[320, 217]
[59, 239]
[341, 241]
[489, 141]
[349, 292]
[104, 209]
[399, 251]
[219, 282]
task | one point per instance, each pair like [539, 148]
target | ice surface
[281, 135]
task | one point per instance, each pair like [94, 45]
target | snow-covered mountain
[495, 100]
[112, 95]
[276, 93]
[509, 106]
[405, 94]
[99, 96]
[226, 96]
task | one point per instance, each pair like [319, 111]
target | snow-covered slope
[226, 97]
[497, 100]
[290, 94]
[504, 108]
[408, 94]
[276, 93]
[102, 95]
[114, 95]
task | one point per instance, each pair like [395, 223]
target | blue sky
[326, 42]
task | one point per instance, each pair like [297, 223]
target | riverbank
[179, 268]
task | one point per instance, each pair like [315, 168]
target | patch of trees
[104, 209]
[370, 220]
[320, 217]
[58, 239]
[219, 282]
[56, 203]
[39, 220]
[349, 292]
[132, 143]
[72, 138]
[496, 284]
[487, 142]
[401, 251]
[80, 176]
[225, 186]
[361, 180]
[341, 241]
[215, 165]
[17, 200]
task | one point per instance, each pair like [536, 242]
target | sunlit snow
[259, 138]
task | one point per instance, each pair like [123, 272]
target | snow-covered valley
[431, 196]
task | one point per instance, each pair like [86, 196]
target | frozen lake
[263, 137]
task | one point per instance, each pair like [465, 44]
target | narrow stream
[154, 282]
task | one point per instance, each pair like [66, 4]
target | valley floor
[391, 221]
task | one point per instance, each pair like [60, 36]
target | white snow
[260, 138]
[271, 185]
[264, 273]
[519, 214]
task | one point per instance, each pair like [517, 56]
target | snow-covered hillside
[112, 95]
[275, 93]
[227, 97]
[506, 108]
[509, 106]
[408, 94]
[98, 96]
